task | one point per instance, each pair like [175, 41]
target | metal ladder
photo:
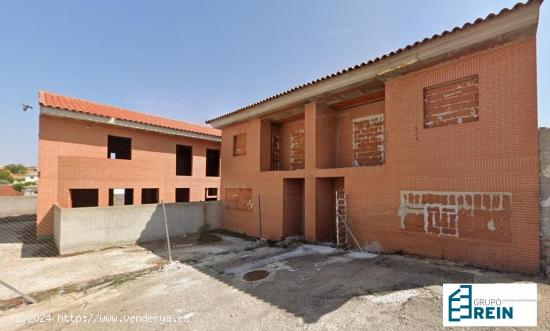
[341, 217]
[342, 227]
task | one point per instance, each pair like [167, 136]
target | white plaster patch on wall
[441, 210]
[376, 117]
[442, 217]
[491, 225]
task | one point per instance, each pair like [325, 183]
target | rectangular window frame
[79, 204]
[212, 170]
[184, 166]
[143, 195]
[112, 142]
[128, 196]
[182, 194]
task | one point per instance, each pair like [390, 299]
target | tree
[19, 186]
[16, 168]
[5, 175]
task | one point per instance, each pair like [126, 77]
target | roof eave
[521, 19]
[64, 113]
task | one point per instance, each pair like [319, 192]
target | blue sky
[193, 60]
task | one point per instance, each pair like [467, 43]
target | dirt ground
[307, 287]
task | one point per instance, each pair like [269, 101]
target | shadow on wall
[84, 229]
[184, 224]
[22, 230]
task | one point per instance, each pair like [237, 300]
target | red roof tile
[87, 107]
[361, 65]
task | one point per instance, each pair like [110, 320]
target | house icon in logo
[460, 304]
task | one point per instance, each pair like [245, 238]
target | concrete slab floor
[308, 287]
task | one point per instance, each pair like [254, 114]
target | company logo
[489, 304]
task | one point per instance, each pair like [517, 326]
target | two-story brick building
[433, 148]
[98, 155]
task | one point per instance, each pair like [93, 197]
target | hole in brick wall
[149, 195]
[182, 194]
[84, 197]
[212, 163]
[121, 196]
[293, 207]
[184, 160]
[211, 194]
[119, 148]
[325, 206]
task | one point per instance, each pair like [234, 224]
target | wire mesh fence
[93, 245]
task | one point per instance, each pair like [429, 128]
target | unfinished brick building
[432, 150]
[98, 155]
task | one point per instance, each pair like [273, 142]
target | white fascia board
[56, 112]
[521, 18]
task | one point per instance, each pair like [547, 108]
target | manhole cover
[255, 275]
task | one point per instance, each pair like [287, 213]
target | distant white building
[30, 191]
[31, 176]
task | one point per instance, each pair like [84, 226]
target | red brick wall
[483, 216]
[454, 102]
[291, 145]
[238, 198]
[7, 190]
[344, 129]
[368, 140]
[239, 144]
[297, 149]
[326, 131]
[73, 154]
[293, 207]
[497, 154]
